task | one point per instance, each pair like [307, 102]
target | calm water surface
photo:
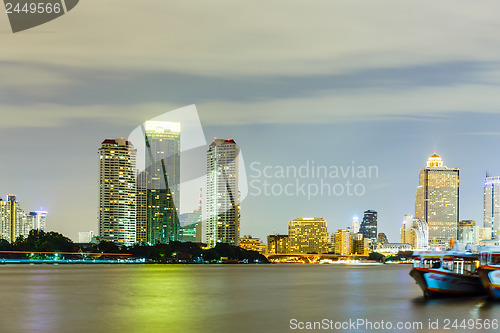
[218, 298]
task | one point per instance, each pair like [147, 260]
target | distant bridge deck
[312, 257]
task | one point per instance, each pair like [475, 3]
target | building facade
[158, 201]
[355, 224]
[191, 233]
[251, 244]
[437, 200]
[14, 222]
[37, 220]
[278, 244]
[415, 232]
[222, 190]
[491, 211]
[369, 226]
[117, 192]
[308, 235]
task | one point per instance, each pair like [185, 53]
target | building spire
[435, 161]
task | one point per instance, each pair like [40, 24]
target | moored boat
[489, 270]
[447, 273]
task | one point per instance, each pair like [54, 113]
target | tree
[378, 257]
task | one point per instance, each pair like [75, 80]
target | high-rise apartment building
[223, 197]
[343, 242]
[117, 191]
[369, 226]
[5, 223]
[491, 212]
[437, 200]
[13, 217]
[278, 244]
[308, 235]
[159, 184]
[14, 222]
[37, 220]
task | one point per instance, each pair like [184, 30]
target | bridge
[311, 258]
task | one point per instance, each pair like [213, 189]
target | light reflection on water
[219, 298]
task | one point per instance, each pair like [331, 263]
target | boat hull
[437, 283]
[490, 278]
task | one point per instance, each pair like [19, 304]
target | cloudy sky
[383, 83]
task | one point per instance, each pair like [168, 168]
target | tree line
[174, 252]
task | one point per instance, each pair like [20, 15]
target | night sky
[384, 84]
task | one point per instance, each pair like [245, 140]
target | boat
[447, 273]
[489, 270]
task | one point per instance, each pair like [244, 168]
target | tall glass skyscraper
[159, 184]
[223, 197]
[491, 216]
[117, 191]
[437, 200]
[369, 226]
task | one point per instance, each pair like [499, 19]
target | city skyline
[337, 225]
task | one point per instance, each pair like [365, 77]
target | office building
[491, 212]
[159, 184]
[382, 238]
[191, 233]
[278, 244]
[223, 197]
[251, 244]
[468, 232]
[355, 224]
[369, 226]
[117, 192]
[343, 242]
[437, 200]
[484, 234]
[308, 235]
[360, 245]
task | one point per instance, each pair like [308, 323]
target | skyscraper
[355, 224]
[5, 223]
[308, 235]
[223, 197]
[14, 222]
[406, 229]
[117, 191]
[491, 215]
[344, 242]
[437, 200]
[13, 217]
[159, 184]
[369, 226]
[37, 220]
